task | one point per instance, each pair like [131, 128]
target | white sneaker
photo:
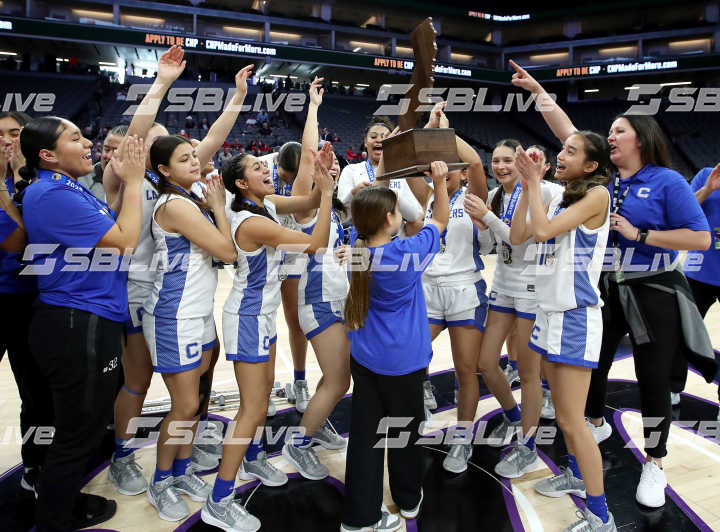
[651, 488]
[674, 399]
[413, 513]
[600, 433]
[429, 395]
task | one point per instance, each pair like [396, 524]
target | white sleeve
[346, 182]
[497, 226]
[410, 208]
[485, 241]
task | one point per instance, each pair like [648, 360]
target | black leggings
[35, 405]
[79, 355]
[653, 361]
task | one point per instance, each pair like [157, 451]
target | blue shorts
[247, 338]
[177, 345]
[316, 317]
[571, 337]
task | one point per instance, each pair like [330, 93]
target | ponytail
[357, 305]
[37, 134]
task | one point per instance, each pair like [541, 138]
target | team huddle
[293, 224]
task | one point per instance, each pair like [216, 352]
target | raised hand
[524, 80]
[713, 180]
[17, 159]
[241, 79]
[215, 194]
[128, 161]
[475, 207]
[326, 155]
[316, 91]
[435, 115]
[322, 176]
[528, 169]
[171, 64]
[438, 171]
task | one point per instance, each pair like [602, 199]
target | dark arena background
[92, 63]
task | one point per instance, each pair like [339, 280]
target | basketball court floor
[475, 500]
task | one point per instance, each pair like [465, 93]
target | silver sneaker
[547, 411]
[202, 460]
[328, 437]
[504, 433]
[125, 474]
[302, 395]
[210, 438]
[563, 484]
[429, 396]
[306, 461]
[517, 462]
[271, 411]
[589, 522]
[163, 496]
[229, 515]
[388, 523]
[193, 486]
[262, 470]
[512, 375]
[457, 458]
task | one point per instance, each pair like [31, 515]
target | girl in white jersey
[249, 319]
[178, 321]
[572, 231]
[512, 304]
[357, 176]
[138, 370]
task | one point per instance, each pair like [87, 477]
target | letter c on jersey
[192, 350]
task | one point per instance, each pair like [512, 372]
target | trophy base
[417, 170]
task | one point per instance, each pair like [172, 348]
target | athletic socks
[513, 414]
[222, 488]
[530, 442]
[573, 465]
[253, 450]
[545, 385]
[161, 475]
[121, 448]
[180, 466]
[598, 506]
[299, 375]
[513, 364]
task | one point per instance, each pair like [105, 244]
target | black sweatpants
[653, 361]
[375, 397]
[705, 296]
[35, 403]
[79, 355]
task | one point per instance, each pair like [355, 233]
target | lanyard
[150, 176]
[71, 183]
[10, 184]
[617, 199]
[370, 171]
[340, 231]
[506, 215]
[190, 195]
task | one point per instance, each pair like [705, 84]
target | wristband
[642, 236]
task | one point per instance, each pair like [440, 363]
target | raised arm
[711, 185]
[219, 131]
[520, 230]
[441, 210]
[555, 117]
[304, 180]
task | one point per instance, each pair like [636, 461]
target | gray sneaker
[125, 474]
[512, 375]
[271, 411]
[589, 522]
[388, 523]
[563, 484]
[457, 458]
[229, 515]
[302, 395]
[517, 462]
[163, 496]
[306, 461]
[202, 460]
[429, 396]
[262, 470]
[193, 486]
[210, 438]
[547, 411]
[504, 433]
[328, 437]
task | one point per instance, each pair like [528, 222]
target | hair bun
[27, 173]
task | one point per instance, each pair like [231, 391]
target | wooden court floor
[692, 465]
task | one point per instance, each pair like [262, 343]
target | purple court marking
[10, 472]
[195, 518]
[695, 518]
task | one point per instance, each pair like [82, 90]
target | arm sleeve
[681, 207]
[484, 239]
[346, 182]
[497, 226]
[7, 225]
[410, 208]
[70, 220]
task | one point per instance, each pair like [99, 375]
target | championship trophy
[409, 153]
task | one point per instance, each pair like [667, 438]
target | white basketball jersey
[323, 278]
[461, 247]
[186, 280]
[569, 265]
[256, 286]
[354, 174]
[142, 267]
[514, 273]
